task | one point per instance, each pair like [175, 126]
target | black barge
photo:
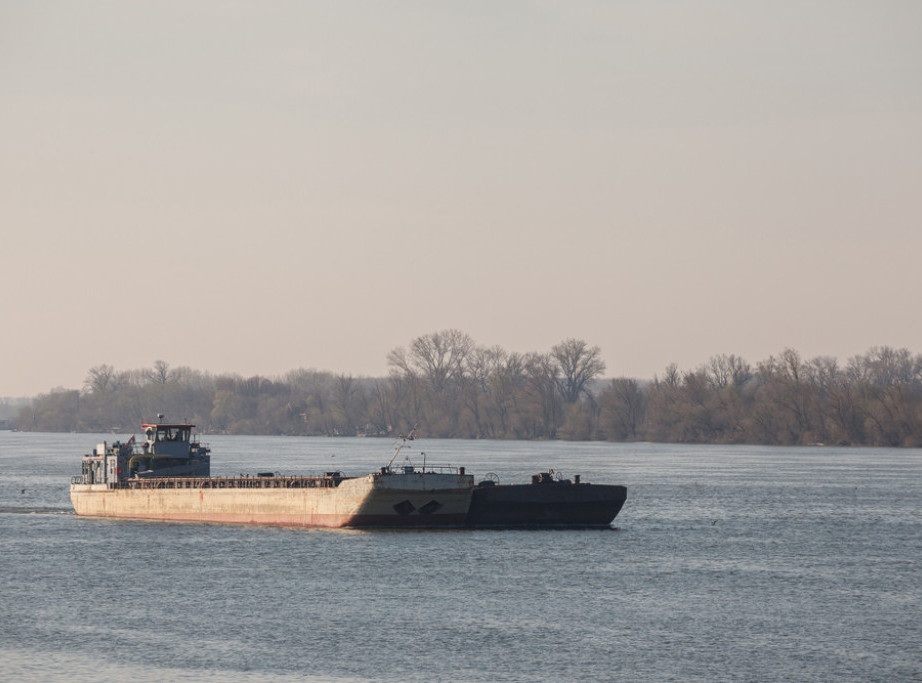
[548, 502]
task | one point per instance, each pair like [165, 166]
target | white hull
[392, 500]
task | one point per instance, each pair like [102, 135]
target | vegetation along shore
[450, 387]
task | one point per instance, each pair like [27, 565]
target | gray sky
[254, 187]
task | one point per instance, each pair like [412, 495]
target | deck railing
[241, 482]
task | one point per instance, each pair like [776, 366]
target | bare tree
[542, 402]
[672, 378]
[623, 406]
[727, 370]
[100, 379]
[885, 367]
[437, 357]
[349, 405]
[579, 364]
[160, 373]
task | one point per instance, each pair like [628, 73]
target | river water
[726, 563]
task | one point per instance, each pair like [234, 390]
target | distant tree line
[449, 387]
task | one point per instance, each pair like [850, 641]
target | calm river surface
[727, 563]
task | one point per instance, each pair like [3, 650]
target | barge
[548, 502]
[167, 477]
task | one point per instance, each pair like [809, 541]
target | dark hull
[551, 505]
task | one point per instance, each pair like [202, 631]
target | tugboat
[169, 451]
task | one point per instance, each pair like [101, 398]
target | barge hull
[546, 506]
[360, 503]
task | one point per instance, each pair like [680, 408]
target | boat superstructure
[169, 451]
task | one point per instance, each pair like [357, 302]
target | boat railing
[238, 482]
[425, 469]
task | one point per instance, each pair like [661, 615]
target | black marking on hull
[404, 507]
[430, 507]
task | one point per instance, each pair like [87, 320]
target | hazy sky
[254, 187]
